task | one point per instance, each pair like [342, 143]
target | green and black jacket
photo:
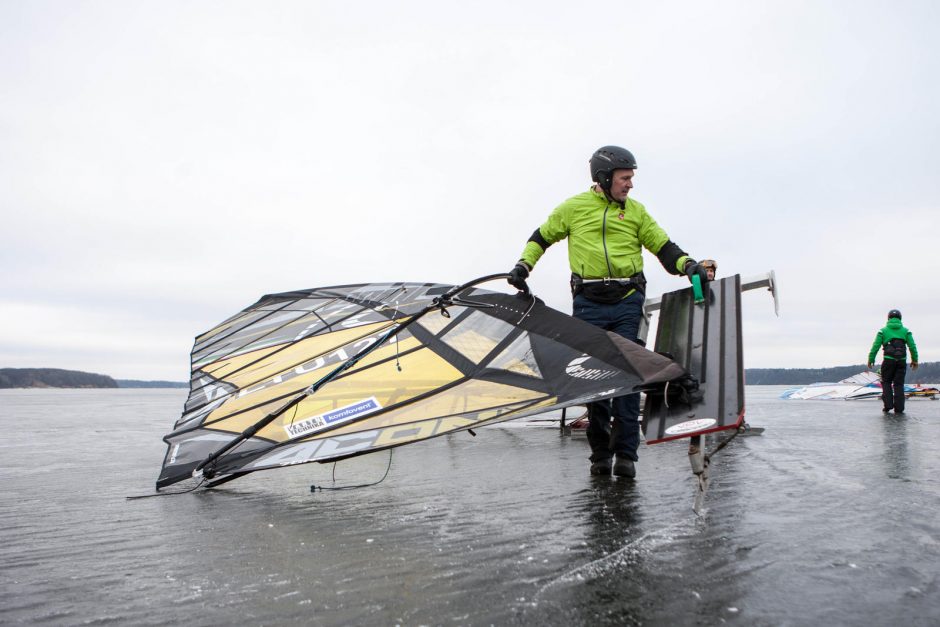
[894, 330]
[605, 239]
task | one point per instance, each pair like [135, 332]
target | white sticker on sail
[339, 415]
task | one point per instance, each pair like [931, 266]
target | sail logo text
[336, 416]
[576, 370]
[336, 357]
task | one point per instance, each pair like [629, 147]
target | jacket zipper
[610, 270]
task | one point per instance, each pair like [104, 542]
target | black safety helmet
[607, 159]
[894, 313]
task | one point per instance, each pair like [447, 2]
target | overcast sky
[164, 164]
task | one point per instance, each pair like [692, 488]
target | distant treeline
[134, 383]
[53, 378]
[926, 373]
[58, 378]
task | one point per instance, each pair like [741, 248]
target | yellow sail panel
[283, 367]
[273, 360]
[225, 326]
[403, 433]
[518, 357]
[471, 396]
[222, 367]
[471, 344]
[520, 367]
[434, 323]
[528, 409]
[282, 387]
[422, 372]
[400, 434]
[237, 424]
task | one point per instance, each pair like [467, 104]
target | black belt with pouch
[607, 291]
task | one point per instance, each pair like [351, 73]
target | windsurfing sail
[861, 386]
[328, 373]
[858, 386]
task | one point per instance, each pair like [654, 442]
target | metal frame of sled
[703, 334]
[692, 359]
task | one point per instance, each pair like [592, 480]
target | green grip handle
[697, 295]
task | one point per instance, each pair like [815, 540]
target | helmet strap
[606, 189]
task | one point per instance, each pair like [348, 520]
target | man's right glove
[517, 277]
[871, 365]
[913, 365]
[692, 267]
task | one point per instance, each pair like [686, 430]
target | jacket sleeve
[913, 347]
[654, 239]
[672, 257]
[876, 345]
[555, 229]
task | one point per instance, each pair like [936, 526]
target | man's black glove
[517, 277]
[692, 267]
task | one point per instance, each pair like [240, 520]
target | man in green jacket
[895, 339]
[606, 234]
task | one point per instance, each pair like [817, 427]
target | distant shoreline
[60, 378]
[39, 378]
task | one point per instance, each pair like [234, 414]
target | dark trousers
[623, 318]
[893, 372]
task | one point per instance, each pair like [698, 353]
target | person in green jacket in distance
[606, 233]
[895, 339]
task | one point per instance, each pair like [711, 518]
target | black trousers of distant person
[892, 384]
